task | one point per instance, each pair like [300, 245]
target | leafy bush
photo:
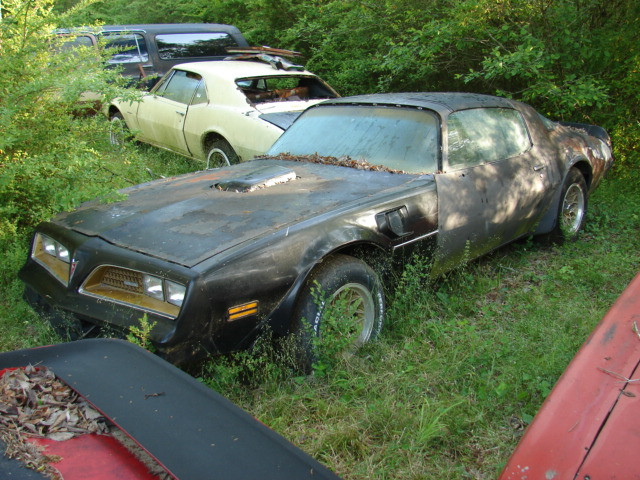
[48, 159]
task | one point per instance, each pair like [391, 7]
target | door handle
[539, 167]
[180, 113]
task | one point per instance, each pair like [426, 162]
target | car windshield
[401, 139]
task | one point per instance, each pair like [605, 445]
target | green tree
[46, 150]
[572, 59]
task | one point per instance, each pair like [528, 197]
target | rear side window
[78, 41]
[485, 135]
[201, 94]
[180, 86]
[186, 45]
[128, 47]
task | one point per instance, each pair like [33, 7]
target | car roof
[443, 102]
[155, 28]
[233, 69]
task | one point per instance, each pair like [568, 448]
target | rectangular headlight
[153, 287]
[53, 248]
[48, 244]
[52, 255]
[63, 253]
[175, 293]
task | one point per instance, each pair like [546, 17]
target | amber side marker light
[244, 310]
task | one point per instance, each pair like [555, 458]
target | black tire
[572, 209]
[118, 130]
[220, 154]
[343, 282]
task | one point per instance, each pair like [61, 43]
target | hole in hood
[259, 178]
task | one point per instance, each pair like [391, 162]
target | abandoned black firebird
[213, 257]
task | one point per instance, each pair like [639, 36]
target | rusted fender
[589, 427]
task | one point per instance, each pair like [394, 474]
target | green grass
[462, 366]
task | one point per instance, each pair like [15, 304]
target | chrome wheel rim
[359, 313]
[217, 158]
[573, 206]
[116, 132]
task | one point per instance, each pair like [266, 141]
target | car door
[161, 114]
[491, 190]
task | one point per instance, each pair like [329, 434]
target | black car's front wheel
[340, 308]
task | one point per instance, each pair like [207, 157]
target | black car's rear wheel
[572, 209]
[340, 308]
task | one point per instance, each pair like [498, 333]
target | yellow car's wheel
[118, 130]
[220, 154]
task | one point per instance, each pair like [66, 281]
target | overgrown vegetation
[464, 362]
[141, 334]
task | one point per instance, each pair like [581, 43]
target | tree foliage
[46, 150]
[572, 59]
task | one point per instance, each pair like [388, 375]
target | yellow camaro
[220, 112]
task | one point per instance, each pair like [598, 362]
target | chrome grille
[123, 279]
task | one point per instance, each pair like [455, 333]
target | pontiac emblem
[74, 264]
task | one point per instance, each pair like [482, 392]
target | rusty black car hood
[190, 218]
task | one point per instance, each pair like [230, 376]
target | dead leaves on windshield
[339, 161]
[33, 403]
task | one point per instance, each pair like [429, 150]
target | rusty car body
[220, 112]
[214, 257]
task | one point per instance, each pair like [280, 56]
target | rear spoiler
[190, 430]
[593, 130]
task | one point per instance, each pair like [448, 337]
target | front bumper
[70, 325]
